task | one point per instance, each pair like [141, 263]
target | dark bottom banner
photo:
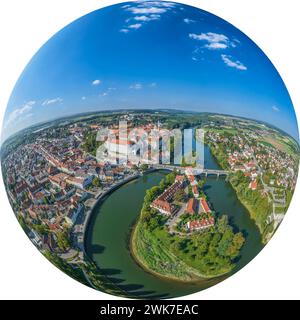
[132, 309]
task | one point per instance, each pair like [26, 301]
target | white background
[26, 25]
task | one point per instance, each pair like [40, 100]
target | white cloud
[52, 101]
[215, 40]
[233, 64]
[210, 37]
[159, 4]
[146, 10]
[153, 85]
[19, 113]
[96, 82]
[147, 18]
[136, 86]
[188, 21]
[31, 103]
[216, 46]
[135, 26]
[275, 108]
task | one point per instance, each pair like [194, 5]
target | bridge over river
[195, 171]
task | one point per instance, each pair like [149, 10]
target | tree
[45, 200]
[222, 223]
[96, 182]
[63, 240]
[40, 228]
[144, 167]
[201, 183]
[170, 178]
[180, 196]
[238, 240]
[151, 194]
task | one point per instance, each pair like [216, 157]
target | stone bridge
[195, 171]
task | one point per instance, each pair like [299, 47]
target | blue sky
[149, 54]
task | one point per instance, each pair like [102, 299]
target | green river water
[110, 226]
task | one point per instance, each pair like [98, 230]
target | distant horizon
[155, 54]
[140, 110]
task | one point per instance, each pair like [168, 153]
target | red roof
[250, 164]
[191, 178]
[164, 205]
[191, 205]
[195, 190]
[197, 224]
[204, 205]
[253, 185]
[179, 178]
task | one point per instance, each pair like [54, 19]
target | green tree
[180, 196]
[96, 182]
[201, 183]
[144, 167]
[63, 240]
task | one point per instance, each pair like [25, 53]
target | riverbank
[99, 198]
[193, 276]
[251, 211]
[113, 222]
[90, 212]
[178, 258]
[106, 283]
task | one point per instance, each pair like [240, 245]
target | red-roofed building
[162, 203]
[250, 165]
[253, 185]
[32, 213]
[192, 180]
[191, 206]
[163, 206]
[204, 205]
[195, 191]
[21, 187]
[59, 178]
[179, 178]
[200, 224]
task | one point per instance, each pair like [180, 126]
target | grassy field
[185, 257]
[281, 143]
[224, 130]
[152, 254]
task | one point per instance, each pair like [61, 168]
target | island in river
[89, 238]
[117, 211]
[188, 242]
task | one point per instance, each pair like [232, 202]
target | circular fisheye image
[150, 150]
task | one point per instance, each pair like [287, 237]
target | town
[269, 172]
[54, 178]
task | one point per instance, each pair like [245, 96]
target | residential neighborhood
[56, 175]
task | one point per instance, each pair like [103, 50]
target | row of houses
[163, 203]
[198, 225]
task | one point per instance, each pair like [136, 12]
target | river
[109, 230]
